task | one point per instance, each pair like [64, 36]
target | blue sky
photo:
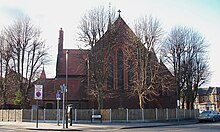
[50, 15]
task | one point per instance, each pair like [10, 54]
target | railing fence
[108, 115]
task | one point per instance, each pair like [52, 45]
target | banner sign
[38, 94]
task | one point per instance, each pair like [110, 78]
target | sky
[51, 15]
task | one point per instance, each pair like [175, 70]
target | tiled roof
[74, 89]
[43, 74]
[52, 85]
[118, 33]
[209, 90]
[76, 62]
[216, 90]
[202, 91]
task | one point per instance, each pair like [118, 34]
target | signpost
[178, 108]
[58, 108]
[63, 89]
[38, 95]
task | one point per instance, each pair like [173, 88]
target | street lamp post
[63, 89]
[178, 81]
[66, 88]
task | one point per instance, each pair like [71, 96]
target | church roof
[118, 33]
[43, 74]
[75, 63]
[52, 85]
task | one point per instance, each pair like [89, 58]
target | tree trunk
[100, 103]
[192, 105]
[183, 103]
[187, 104]
[140, 102]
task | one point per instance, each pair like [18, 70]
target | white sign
[178, 103]
[38, 94]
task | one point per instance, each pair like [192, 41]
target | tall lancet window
[130, 73]
[110, 78]
[120, 69]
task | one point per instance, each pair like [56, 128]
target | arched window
[110, 78]
[120, 69]
[130, 74]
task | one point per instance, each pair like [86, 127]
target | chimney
[60, 43]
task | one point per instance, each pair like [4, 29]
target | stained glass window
[120, 69]
[110, 78]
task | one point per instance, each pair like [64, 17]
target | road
[12, 130]
[198, 127]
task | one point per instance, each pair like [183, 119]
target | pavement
[48, 126]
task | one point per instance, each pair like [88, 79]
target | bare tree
[6, 59]
[28, 53]
[149, 30]
[93, 26]
[195, 66]
[185, 51]
[146, 85]
[1, 66]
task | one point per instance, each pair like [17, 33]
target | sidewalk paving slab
[42, 126]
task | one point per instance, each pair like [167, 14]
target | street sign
[178, 103]
[58, 96]
[38, 94]
[63, 88]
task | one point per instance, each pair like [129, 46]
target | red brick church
[74, 63]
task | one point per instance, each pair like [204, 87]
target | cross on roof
[119, 11]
